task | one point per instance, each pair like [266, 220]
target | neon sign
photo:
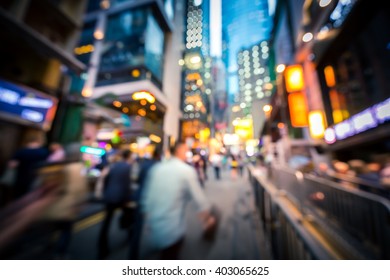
[363, 121]
[27, 104]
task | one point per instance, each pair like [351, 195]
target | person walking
[135, 238]
[116, 192]
[169, 188]
[216, 161]
[27, 161]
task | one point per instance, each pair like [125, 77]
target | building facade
[36, 71]
[344, 61]
[197, 78]
[244, 23]
[133, 67]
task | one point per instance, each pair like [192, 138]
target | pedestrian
[26, 161]
[233, 167]
[135, 238]
[216, 161]
[168, 190]
[116, 180]
[240, 163]
[199, 163]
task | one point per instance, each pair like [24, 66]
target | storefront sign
[25, 104]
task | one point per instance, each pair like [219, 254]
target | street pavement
[239, 233]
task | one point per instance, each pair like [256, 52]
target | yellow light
[294, 78]
[267, 108]
[143, 102]
[280, 68]
[199, 104]
[181, 62]
[125, 110]
[108, 147]
[199, 83]
[98, 35]
[135, 73]
[298, 109]
[87, 92]
[133, 146]
[316, 124]
[153, 107]
[142, 112]
[155, 138]
[117, 104]
[144, 95]
[84, 49]
[329, 76]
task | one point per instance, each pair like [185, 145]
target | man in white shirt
[169, 187]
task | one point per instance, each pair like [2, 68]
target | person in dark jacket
[116, 192]
[26, 161]
[135, 238]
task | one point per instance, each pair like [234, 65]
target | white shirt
[169, 187]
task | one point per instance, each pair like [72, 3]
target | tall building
[196, 73]
[133, 69]
[36, 71]
[244, 23]
[254, 74]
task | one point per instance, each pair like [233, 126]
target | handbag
[210, 233]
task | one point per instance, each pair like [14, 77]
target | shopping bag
[210, 233]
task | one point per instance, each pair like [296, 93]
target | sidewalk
[239, 235]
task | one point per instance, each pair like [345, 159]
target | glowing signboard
[92, 151]
[19, 102]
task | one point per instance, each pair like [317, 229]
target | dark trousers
[103, 248]
[172, 252]
[135, 236]
[217, 170]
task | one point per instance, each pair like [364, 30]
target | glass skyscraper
[244, 24]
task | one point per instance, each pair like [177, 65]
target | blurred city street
[239, 235]
[194, 129]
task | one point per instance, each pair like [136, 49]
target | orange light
[125, 110]
[143, 102]
[193, 76]
[117, 104]
[153, 107]
[298, 109]
[135, 73]
[329, 76]
[142, 112]
[280, 125]
[294, 78]
[317, 124]
[84, 49]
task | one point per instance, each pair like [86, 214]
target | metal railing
[288, 237]
[363, 219]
